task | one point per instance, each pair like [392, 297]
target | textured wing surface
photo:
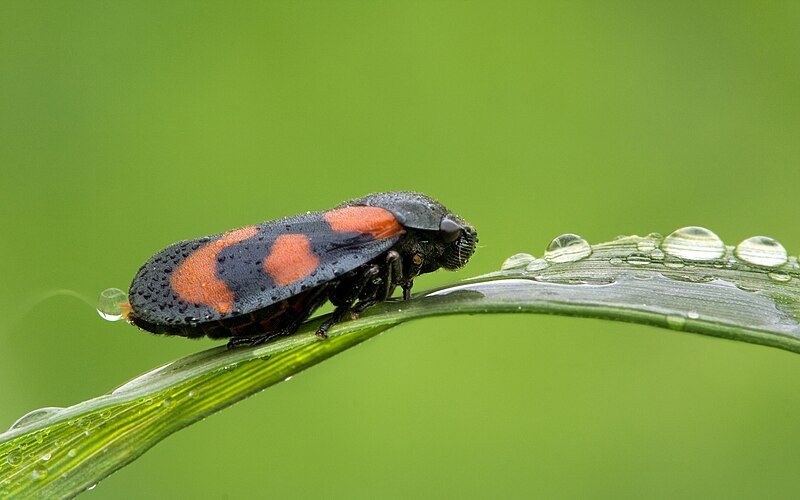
[240, 271]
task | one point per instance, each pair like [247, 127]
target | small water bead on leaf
[39, 472]
[676, 322]
[113, 304]
[646, 245]
[761, 251]
[638, 259]
[694, 243]
[780, 277]
[14, 458]
[517, 261]
[567, 248]
[537, 265]
[657, 254]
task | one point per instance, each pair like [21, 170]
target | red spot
[376, 221]
[195, 279]
[290, 259]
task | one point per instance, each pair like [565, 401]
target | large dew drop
[113, 304]
[694, 243]
[567, 248]
[35, 416]
[761, 251]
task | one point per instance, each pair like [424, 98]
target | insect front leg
[412, 272]
[393, 274]
[349, 290]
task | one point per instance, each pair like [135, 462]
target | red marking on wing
[290, 259]
[376, 221]
[195, 279]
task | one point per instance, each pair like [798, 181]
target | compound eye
[449, 229]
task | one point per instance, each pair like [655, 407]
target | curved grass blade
[62, 452]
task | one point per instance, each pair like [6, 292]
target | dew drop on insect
[113, 304]
[517, 261]
[761, 251]
[567, 248]
[694, 243]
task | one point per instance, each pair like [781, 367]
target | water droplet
[615, 261]
[537, 265]
[676, 322]
[113, 304]
[39, 472]
[35, 416]
[14, 458]
[694, 243]
[637, 259]
[567, 248]
[780, 277]
[673, 262]
[517, 261]
[761, 251]
[72, 453]
[646, 245]
[693, 315]
[657, 254]
[47, 456]
[287, 378]
[90, 488]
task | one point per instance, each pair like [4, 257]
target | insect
[258, 282]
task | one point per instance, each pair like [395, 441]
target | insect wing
[250, 268]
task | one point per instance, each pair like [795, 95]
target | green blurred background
[125, 126]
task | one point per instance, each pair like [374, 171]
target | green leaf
[58, 452]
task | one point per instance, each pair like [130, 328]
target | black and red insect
[262, 281]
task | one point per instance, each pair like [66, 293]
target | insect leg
[283, 321]
[412, 272]
[345, 303]
[393, 274]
